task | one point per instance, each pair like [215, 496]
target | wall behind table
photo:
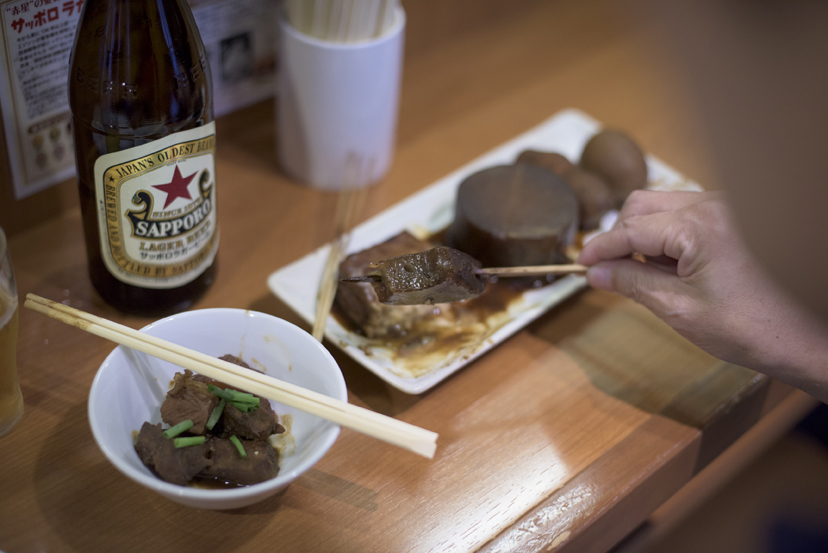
[430, 24]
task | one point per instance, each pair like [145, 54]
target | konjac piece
[513, 216]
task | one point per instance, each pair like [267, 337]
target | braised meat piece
[434, 276]
[189, 399]
[214, 458]
[262, 462]
[359, 301]
[174, 465]
[258, 424]
[255, 425]
[230, 358]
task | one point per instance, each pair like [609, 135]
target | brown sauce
[202, 483]
[455, 330]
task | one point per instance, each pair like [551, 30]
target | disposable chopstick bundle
[399, 433]
[342, 20]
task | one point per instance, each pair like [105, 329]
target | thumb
[661, 292]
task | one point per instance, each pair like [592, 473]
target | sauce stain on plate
[453, 330]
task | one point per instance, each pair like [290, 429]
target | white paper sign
[37, 38]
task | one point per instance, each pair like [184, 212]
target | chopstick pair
[396, 432]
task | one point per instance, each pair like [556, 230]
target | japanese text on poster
[37, 39]
[35, 44]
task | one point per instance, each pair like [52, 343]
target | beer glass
[11, 400]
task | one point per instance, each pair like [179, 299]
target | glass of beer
[11, 400]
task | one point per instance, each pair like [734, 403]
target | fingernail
[599, 277]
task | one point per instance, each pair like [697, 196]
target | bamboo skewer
[503, 272]
[537, 270]
[393, 431]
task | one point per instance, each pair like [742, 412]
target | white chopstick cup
[335, 100]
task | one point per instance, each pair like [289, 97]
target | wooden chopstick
[349, 205]
[537, 270]
[328, 281]
[393, 431]
[327, 287]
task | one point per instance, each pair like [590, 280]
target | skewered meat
[359, 301]
[437, 275]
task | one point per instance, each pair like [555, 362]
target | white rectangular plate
[430, 211]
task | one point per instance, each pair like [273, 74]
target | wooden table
[564, 438]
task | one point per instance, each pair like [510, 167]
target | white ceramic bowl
[130, 387]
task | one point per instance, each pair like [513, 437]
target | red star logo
[177, 188]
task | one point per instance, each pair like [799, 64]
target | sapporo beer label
[157, 209]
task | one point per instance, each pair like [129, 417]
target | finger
[650, 235]
[663, 263]
[660, 292]
[648, 202]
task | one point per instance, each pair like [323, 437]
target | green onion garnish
[177, 429]
[244, 407]
[241, 400]
[239, 446]
[243, 397]
[192, 440]
[214, 416]
[216, 391]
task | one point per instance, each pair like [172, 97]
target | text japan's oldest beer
[140, 94]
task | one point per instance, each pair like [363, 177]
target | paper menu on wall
[36, 39]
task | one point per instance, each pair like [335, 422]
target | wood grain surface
[564, 438]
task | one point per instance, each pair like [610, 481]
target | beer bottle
[140, 93]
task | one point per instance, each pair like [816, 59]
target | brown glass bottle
[139, 77]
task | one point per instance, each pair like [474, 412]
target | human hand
[700, 279]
